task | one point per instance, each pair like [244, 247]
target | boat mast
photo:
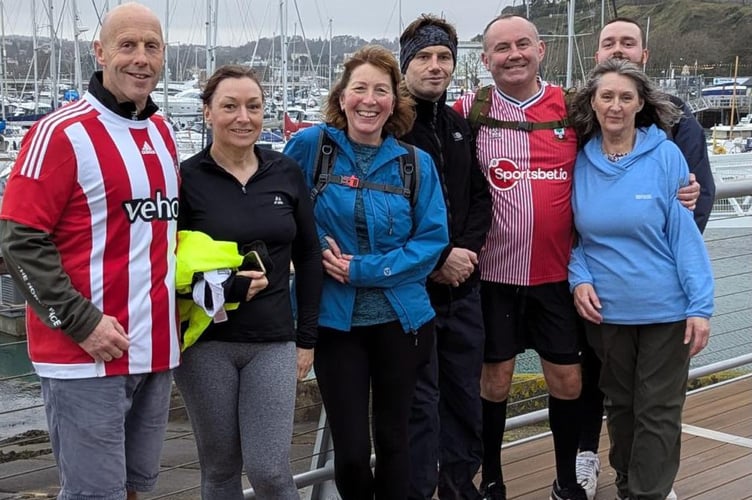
[35, 48]
[570, 43]
[76, 51]
[215, 18]
[733, 99]
[647, 40]
[211, 35]
[165, 71]
[53, 60]
[400, 16]
[2, 56]
[283, 39]
[330, 54]
[208, 38]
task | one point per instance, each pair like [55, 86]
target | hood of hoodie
[646, 142]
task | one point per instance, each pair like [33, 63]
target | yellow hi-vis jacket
[198, 252]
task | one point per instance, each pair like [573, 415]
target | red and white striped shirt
[106, 189]
[530, 177]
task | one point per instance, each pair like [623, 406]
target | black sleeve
[309, 274]
[480, 212]
[34, 263]
[690, 138]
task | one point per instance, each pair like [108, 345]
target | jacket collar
[125, 109]
[424, 109]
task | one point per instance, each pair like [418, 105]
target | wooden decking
[716, 457]
[716, 452]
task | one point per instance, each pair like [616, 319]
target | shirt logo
[151, 209]
[147, 150]
[647, 196]
[278, 200]
[503, 174]
[560, 133]
[457, 136]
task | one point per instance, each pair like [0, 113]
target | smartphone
[252, 262]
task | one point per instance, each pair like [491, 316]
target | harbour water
[18, 392]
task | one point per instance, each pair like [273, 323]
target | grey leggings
[240, 399]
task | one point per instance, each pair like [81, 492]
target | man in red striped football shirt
[527, 152]
[88, 231]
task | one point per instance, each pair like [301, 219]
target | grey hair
[657, 109]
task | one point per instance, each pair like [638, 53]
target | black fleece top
[274, 206]
[446, 136]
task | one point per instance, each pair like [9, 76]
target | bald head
[131, 53]
[512, 53]
[516, 20]
[126, 14]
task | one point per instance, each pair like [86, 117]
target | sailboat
[25, 112]
[298, 119]
[732, 138]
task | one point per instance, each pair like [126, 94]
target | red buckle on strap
[351, 181]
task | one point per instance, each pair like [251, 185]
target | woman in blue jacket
[379, 245]
[640, 272]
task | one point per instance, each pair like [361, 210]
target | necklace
[615, 156]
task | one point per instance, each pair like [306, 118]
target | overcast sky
[242, 20]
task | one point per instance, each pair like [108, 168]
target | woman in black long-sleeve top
[238, 380]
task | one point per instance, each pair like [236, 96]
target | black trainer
[493, 491]
[575, 492]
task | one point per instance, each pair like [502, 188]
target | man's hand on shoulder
[689, 194]
[107, 341]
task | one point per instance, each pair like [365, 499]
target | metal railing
[319, 476]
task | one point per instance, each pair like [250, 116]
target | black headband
[425, 36]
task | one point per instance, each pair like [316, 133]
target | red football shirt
[530, 177]
[106, 189]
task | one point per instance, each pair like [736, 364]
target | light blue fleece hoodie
[638, 246]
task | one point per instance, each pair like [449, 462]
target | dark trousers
[644, 379]
[380, 360]
[446, 422]
[591, 400]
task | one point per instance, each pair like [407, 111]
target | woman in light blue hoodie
[640, 272]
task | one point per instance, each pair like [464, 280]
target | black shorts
[541, 317]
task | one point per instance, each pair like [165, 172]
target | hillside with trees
[706, 36]
[697, 36]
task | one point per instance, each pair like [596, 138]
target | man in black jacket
[445, 425]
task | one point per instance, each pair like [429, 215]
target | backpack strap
[357, 183]
[520, 125]
[569, 95]
[482, 105]
[480, 108]
[410, 173]
[327, 152]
